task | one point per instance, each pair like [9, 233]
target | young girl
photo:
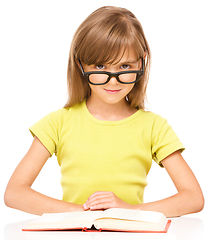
[103, 138]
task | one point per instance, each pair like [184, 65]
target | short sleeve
[164, 140]
[47, 130]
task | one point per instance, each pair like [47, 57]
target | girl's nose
[113, 80]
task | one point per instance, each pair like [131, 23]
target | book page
[133, 215]
[64, 220]
[89, 216]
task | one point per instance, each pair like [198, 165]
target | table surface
[181, 228]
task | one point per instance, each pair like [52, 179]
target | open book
[114, 219]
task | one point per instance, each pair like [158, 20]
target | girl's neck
[109, 112]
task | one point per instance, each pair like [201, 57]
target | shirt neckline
[109, 123]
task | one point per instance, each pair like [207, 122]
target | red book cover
[100, 230]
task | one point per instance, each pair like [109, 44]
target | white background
[35, 38]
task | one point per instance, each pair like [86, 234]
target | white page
[89, 216]
[128, 214]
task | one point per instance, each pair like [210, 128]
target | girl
[103, 138]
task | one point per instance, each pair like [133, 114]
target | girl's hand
[105, 200]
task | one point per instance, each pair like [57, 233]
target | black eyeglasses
[103, 77]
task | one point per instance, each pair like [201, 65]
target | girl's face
[114, 92]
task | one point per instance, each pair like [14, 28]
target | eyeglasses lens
[102, 78]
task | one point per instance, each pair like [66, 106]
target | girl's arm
[20, 195]
[189, 198]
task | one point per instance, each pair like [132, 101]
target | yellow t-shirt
[96, 155]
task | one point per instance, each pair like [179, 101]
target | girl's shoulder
[152, 117]
[66, 110]
[55, 120]
[62, 113]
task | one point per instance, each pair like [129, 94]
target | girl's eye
[100, 67]
[125, 66]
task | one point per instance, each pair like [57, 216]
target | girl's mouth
[112, 91]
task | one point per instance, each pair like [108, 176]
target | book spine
[91, 230]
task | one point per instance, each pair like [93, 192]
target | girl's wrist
[76, 207]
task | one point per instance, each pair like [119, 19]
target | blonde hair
[99, 39]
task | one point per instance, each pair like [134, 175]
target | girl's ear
[144, 56]
[77, 63]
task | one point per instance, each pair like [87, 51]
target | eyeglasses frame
[110, 74]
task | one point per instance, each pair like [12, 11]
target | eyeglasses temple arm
[83, 72]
